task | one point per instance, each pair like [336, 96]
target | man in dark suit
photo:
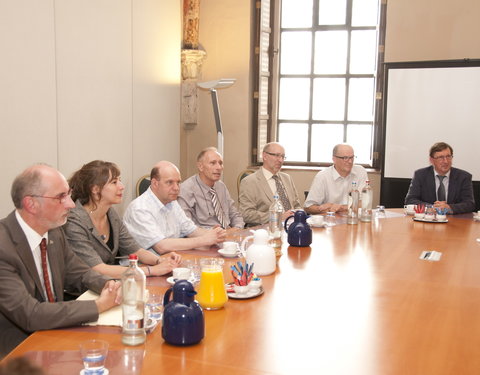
[257, 190]
[441, 184]
[32, 246]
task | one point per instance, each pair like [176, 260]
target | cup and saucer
[316, 221]
[229, 249]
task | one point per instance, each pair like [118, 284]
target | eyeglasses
[443, 157]
[345, 158]
[62, 198]
[281, 156]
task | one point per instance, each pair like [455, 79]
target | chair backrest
[241, 176]
[143, 184]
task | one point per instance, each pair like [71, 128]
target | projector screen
[428, 104]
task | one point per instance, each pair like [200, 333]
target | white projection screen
[428, 102]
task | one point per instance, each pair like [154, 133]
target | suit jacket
[256, 197]
[460, 189]
[23, 305]
[87, 243]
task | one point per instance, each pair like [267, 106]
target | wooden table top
[358, 301]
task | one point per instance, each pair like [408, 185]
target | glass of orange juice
[211, 291]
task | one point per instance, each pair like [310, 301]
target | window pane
[324, 138]
[364, 12]
[360, 137]
[294, 138]
[360, 99]
[328, 99]
[297, 13]
[330, 52]
[362, 54]
[296, 49]
[332, 12]
[294, 98]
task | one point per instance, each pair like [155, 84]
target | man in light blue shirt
[156, 220]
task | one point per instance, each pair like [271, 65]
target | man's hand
[215, 235]
[110, 296]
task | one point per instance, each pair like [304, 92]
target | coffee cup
[409, 209]
[316, 220]
[230, 247]
[181, 273]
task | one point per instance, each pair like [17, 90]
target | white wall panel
[27, 90]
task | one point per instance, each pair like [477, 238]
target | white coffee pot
[260, 253]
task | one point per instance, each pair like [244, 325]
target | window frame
[267, 130]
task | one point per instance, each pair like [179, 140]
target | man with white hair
[205, 198]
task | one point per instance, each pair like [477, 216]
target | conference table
[359, 300]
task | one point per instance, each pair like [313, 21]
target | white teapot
[260, 253]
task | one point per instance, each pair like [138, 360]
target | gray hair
[29, 182]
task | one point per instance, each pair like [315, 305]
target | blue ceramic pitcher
[299, 232]
[183, 320]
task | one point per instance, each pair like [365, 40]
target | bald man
[205, 198]
[158, 223]
[330, 187]
[37, 265]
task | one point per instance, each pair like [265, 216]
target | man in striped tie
[205, 198]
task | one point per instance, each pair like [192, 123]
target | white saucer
[228, 255]
[476, 217]
[410, 212]
[248, 295]
[171, 280]
[105, 371]
[317, 225]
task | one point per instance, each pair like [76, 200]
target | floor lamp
[212, 86]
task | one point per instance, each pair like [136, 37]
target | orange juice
[211, 292]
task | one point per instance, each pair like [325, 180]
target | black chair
[143, 184]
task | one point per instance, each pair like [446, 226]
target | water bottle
[367, 196]
[133, 305]
[353, 197]
[275, 222]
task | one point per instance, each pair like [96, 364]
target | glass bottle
[133, 304]
[275, 222]
[367, 196]
[353, 197]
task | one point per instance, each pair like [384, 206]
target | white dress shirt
[329, 187]
[149, 221]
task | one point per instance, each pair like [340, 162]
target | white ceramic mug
[316, 219]
[230, 247]
[181, 273]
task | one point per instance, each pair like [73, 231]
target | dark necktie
[281, 193]
[218, 210]
[441, 189]
[46, 279]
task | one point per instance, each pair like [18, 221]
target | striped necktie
[441, 189]
[46, 279]
[218, 209]
[281, 193]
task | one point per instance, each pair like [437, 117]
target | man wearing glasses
[36, 264]
[330, 187]
[442, 185]
[257, 190]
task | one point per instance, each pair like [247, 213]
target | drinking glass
[380, 212]
[94, 354]
[155, 305]
[330, 220]
[194, 266]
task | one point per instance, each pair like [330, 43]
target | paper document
[112, 317]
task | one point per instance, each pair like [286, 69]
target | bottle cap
[133, 256]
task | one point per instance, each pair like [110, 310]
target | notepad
[111, 317]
